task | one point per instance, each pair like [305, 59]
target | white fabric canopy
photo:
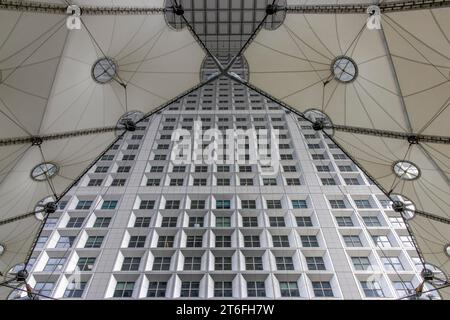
[46, 88]
[402, 85]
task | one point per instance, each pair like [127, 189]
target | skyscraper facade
[140, 225]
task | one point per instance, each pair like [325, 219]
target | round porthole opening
[344, 69]
[104, 70]
[44, 171]
[406, 170]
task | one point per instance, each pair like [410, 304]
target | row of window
[191, 289]
[225, 241]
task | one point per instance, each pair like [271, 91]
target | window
[147, 204]
[318, 156]
[322, 289]
[372, 289]
[250, 221]
[156, 289]
[407, 241]
[253, 263]
[201, 168]
[280, 241]
[102, 222]
[223, 289]
[246, 182]
[165, 241]
[54, 264]
[95, 182]
[339, 156]
[277, 222]
[222, 263]
[352, 181]
[75, 290]
[223, 241]
[299, 204]
[94, 242]
[256, 289]
[109, 205]
[397, 222]
[124, 290]
[75, 222]
[65, 241]
[169, 222]
[372, 221]
[381, 241]
[284, 263]
[118, 182]
[251, 241]
[337, 204]
[86, 263]
[248, 204]
[392, 264]
[223, 169]
[131, 263]
[123, 169]
[192, 263]
[309, 241]
[315, 263]
[245, 169]
[345, 168]
[223, 204]
[269, 181]
[142, 222]
[83, 205]
[44, 288]
[328, 181]
[344, 221]
[107, 157]
[194, 241]
[197, 204]
[153, 182]
[157, 169]
[190, 289]
[223, 222]
[176, 182]
[223, 182]
[352, 241]
[136, 242]
[362, 263]
[273, 204]
[101, 169]
[172, 204]
[160, 157]
[363, 204]
[289, 169]
[289, 289]
[134, 147]
[323, 168]
[313, 146]
[404, 288]
[128, 157]
[293, 181]
[304, 221]
[200, 182]
[161, 263]
[40, 243]
[196, 222]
